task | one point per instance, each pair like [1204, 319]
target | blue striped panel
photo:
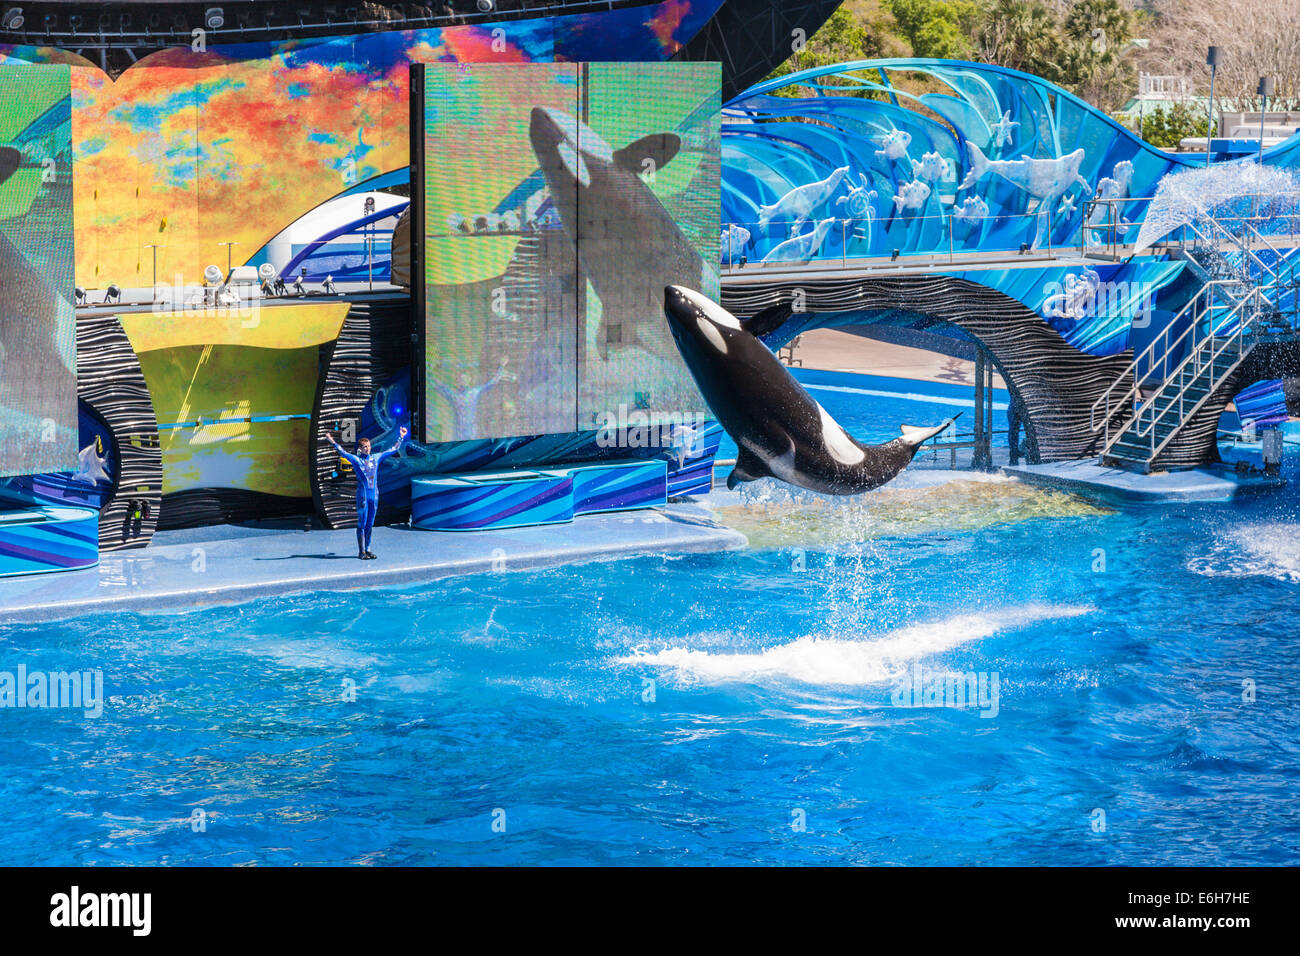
[618, 486]
[470, 505]
[67, 539]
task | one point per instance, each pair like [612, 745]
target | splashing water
[1266, 196]
[1255, 550]
[836, 662]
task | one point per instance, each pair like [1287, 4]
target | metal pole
[1212, 58]
[1265, 90]
[977, 462]
[988, 417]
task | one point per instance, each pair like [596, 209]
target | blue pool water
[774, 673]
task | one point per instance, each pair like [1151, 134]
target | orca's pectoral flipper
[749, 467]
[916, 436]
[658, 148]
[769, 320]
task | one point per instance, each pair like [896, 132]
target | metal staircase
[1171, 379]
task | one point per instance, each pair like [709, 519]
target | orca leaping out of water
[780, 429]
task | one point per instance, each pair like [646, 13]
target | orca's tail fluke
[978, 164]
[916, 437]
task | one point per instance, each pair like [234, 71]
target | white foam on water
[1258, 550]
[831, 661]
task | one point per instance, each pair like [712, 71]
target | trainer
[366, 467]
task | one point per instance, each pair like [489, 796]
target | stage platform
[230, 564]
[1086, 477]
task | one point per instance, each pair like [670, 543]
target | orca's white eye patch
[710, 332]
[574, 164]
[711, 309]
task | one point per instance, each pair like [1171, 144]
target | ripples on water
[682, 709]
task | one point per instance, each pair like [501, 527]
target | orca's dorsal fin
[768, 320]
[749, 467]
[659, 148]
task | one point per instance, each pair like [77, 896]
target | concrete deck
[231, 564]
[1209, 483]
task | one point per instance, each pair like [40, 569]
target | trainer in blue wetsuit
[366, 467]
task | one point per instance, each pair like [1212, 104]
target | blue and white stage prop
[36, 538]
[781, 431]
[512, 499]
[797, 206]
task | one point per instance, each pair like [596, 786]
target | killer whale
[780, 429]
[631, 248]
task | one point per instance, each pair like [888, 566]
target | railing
[1106, 229]
[952, 233]
[1198, 364]
[1110, 406]
[1212, 310]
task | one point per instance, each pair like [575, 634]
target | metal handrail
[1240, 245]
[1238, 336]
[1148, 354]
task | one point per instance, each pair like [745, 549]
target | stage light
[13, 18]
[112, 295]
[80, 294]
[214, 17]
[486, 6]
[74, 21]
[894, 257]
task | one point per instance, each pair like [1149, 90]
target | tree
[1096, 65]
[1021, 35]
[1255, 39]
[857, 30]
[937, 29]
[1087, 50]
[1166, 128]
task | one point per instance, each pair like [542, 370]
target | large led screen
[38, 341]
[557, 202]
